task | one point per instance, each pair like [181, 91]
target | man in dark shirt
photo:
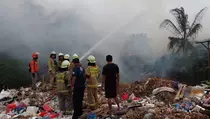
[78, 84]
[110, 78]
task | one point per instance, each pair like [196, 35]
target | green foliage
[184, 34]
[189, 68]
[13, 72]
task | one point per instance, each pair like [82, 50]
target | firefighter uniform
[63, 88]
[52, 69]
[92, 72]
[60, 60]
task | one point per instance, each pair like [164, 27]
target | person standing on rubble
[34, 68]
[63, 88]
[60, 60]
[52, 65]
[92, 74]
[110, 81]
[78, 85]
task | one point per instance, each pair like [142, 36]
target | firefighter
[92, 74]
[75, 56]
[60, 60]
[52, 65]
[34, 68]
[67, 57]
[63, 88]
[78, 86]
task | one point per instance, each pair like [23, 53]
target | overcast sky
[102, 16]
[107, 15]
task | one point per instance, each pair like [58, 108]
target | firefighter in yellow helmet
[63, 88]
[52, 66]
[92, 74]
[60, 60]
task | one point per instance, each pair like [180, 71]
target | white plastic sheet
[4, 94]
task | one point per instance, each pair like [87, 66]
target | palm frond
[194, 31]
[185, 46]
[172, 45]
[169, 25]
[199, 17]
[181, 18]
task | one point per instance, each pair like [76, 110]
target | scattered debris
[149, 99]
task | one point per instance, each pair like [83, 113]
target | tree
[184, 33]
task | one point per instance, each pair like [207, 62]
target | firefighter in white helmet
[67, 57]
[92, 74]
[52, 66]
[63, 88]
[75, 56]
[60, 60]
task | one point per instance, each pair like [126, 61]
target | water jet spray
[107, 36]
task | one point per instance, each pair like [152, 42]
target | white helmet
[65, 64]
[75, 56]
[53, 53]
[91, 59]
[60, 54]
[66, 56]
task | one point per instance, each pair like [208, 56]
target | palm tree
[183, 32]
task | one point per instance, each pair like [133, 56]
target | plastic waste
[162, 89]
[91, 116]
[10, 107]
[125, 96]
[31, 110]
[149, 116]
[150, 105]
[47, 107]
[132, 97]
[4, 94]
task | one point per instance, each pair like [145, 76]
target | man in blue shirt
[78, 84]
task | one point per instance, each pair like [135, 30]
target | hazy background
[74, 26]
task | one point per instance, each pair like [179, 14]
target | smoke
[74, 26]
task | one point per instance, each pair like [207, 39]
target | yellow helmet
[65, 64]
[66, 56]
[75, 56]
[91, 59]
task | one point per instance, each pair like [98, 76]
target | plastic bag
[125, 96]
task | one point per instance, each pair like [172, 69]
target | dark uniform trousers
[78, 95]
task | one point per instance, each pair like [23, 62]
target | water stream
[107, 36]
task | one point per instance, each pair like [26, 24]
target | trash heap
[26, 103]
[153, 98]
[164, 99]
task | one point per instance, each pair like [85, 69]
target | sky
[108, 15]
[46, 24]
[75, 26]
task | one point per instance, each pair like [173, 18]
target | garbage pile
[26, 103]
[153, 98]
[166, 99]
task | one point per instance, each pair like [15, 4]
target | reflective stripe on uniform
[92, 105]
[64, 91]
[92, 86]
[93, 71]
[60, 78]
[60, 81]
